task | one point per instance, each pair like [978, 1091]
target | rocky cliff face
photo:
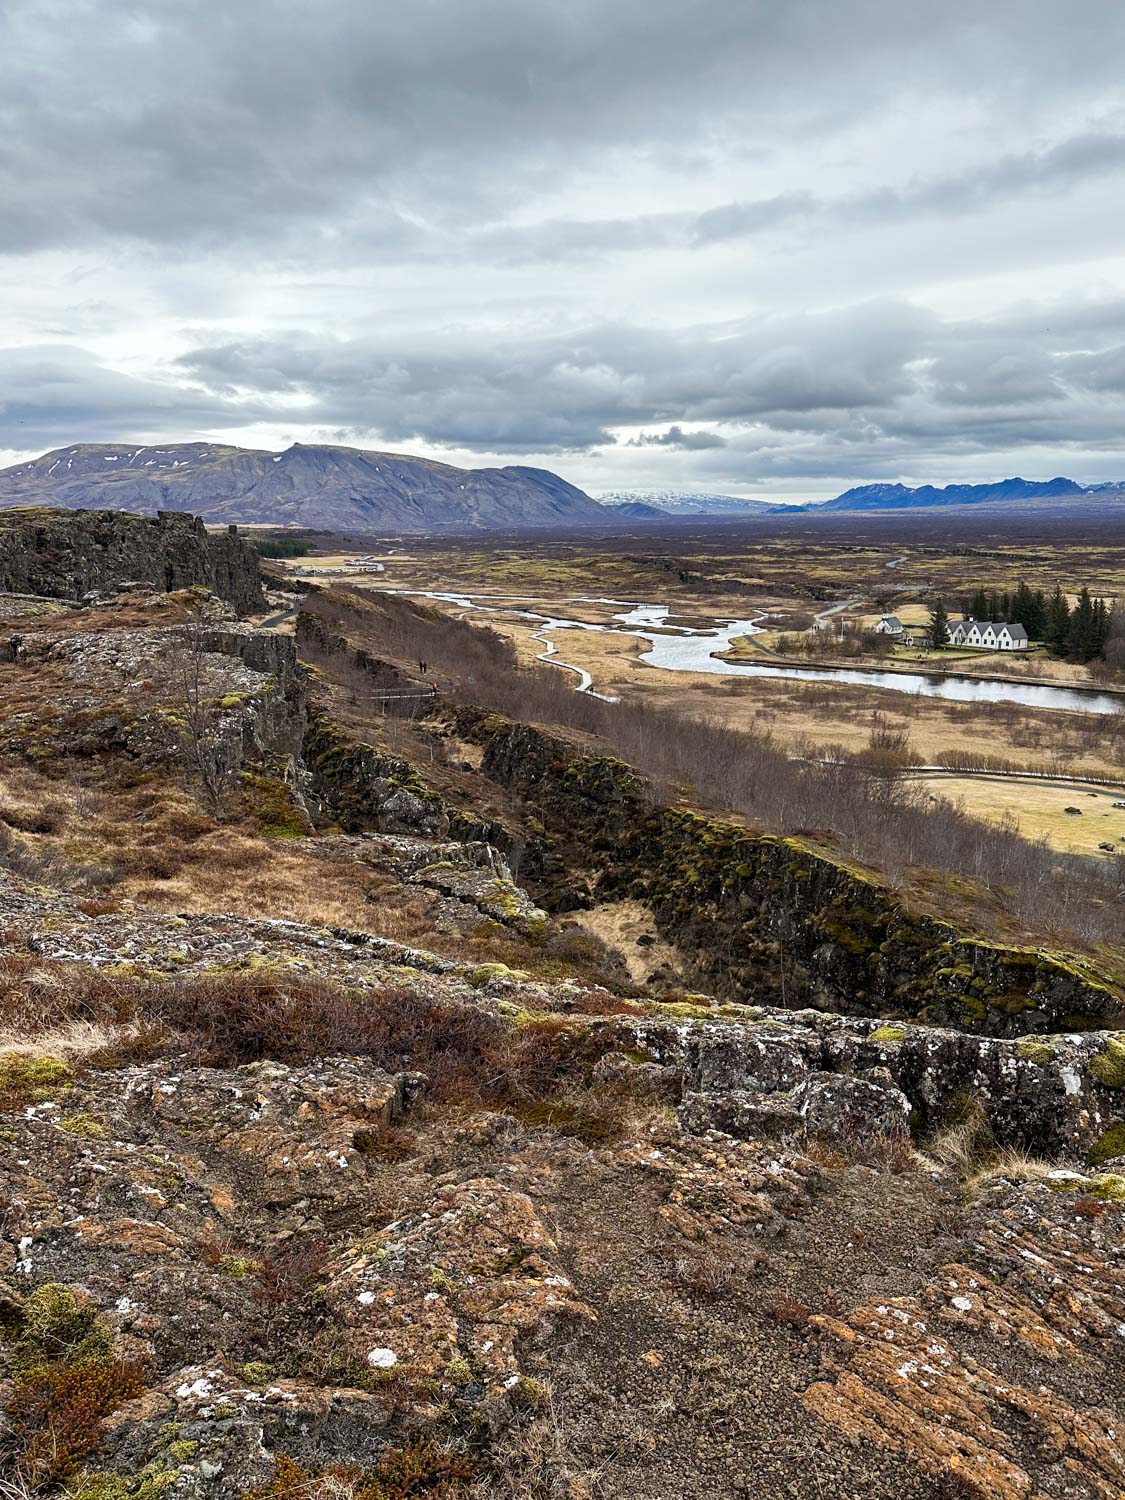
[772, 919]
[67, 554]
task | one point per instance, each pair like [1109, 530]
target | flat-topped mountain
[341, 489]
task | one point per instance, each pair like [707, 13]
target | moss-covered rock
[887, 1035]
[1109, 1066]
[1108, 1146]
[33, 1077]
[274, 805]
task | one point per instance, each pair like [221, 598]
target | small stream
[686, 649]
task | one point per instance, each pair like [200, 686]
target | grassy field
[808, 558]
[1040, 810]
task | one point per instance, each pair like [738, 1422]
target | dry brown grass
[153, 844]
[533, 1457]
[967, 1149]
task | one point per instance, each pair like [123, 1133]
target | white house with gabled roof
[1005, 635]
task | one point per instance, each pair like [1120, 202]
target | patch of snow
[382, 1359]
[200, 1387]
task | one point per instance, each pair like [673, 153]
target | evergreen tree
[1082, 638]
[978, 606]
[1005, 610]
[1057, 628]
[1100, 634]
[1023, 607]
[993, 607]
[939, 625]
[1037, 609]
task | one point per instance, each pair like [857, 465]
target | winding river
[684, 649]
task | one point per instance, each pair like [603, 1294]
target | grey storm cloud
[858, 391]
[738, 239]
[558, 392]
[283, 123]
[883, 371]
[55, 394]
[676, 437]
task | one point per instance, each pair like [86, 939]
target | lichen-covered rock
[456, 1284]
[714, 1183]
[771, 1069]
[900, 1374]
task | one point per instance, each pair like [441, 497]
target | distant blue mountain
[899, 497]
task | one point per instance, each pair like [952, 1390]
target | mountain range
[667, 505]
[337, 489]
[900, 497]
[352, 490]
[657, 504]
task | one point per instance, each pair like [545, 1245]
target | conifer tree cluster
[1080, 633]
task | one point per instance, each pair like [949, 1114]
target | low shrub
[420, 1468]
[66, 1380]
[55, 1414]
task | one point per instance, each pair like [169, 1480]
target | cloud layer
[772, 247]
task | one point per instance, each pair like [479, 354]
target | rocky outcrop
[900, 1372]
[366, 790]
[775, 920]
[748, 1071]
[68, 554]
[147, 691]
[471, 878]
[792, 1073]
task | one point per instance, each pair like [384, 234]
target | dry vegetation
[117, 834]
[540, 1069]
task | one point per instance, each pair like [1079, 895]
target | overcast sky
[763, 247]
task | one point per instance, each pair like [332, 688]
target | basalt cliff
[68, 554]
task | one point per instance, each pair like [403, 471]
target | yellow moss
[887, 1034]
[1032, 1050]
[33, 1077]
[487, 973]
[237, 1265]
[85, 1125]
[57, 1329]
[1109, 1066]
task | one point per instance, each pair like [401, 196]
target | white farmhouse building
[1003, 636]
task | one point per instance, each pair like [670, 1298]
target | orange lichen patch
[293, 1126]
[973, 1300]
[1077, 1289]
[718, 1183]
[132, 1235]
[904, 1388]
[461, 1281]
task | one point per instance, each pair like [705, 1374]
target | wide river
[689, 650]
